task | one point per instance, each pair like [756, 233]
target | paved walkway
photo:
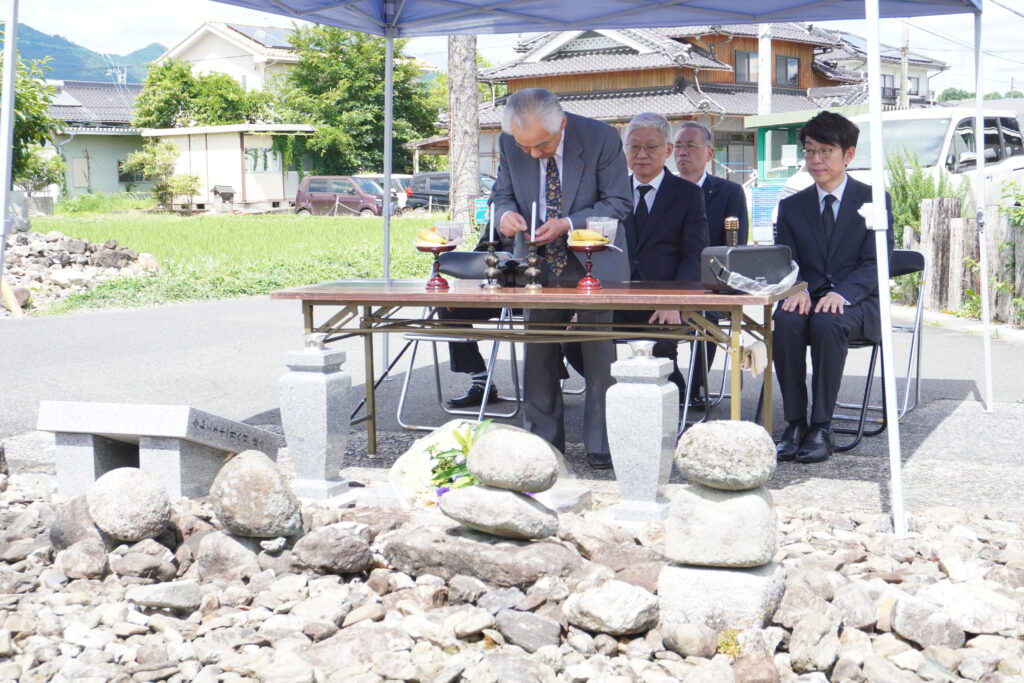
[226, 357]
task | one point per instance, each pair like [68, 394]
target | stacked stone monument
[722, 531]
[509, 463]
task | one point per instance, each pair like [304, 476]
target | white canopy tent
[410, 18]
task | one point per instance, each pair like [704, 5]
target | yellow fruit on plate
[587, 243]
[586, 235]
[430, 235]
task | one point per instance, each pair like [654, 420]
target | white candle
[533, 223]
[492, 224]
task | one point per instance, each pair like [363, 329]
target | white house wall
[211, 53]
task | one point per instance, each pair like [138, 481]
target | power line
[1008, 8]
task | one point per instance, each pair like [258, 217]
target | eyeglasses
[542, 145]
[647, 149]
[820, 152]
[691, 146]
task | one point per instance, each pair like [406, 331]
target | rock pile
[429, 600]
[509, 463]
[722, 530]
[43, 269]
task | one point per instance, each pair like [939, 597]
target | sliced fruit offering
[430, 235]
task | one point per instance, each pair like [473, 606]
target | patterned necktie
[828, 218]
[556, 252]
[640, 217]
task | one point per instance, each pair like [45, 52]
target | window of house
[126, 177]
[787, 71]
[746, 67]
[262, 160]
[915, 85]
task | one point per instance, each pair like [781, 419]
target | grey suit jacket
[595, 182]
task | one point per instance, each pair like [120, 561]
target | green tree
[155, 161]
[338, 87]
[437, 88]
[993, 96]
[952, 94]
[39, 170]
[1014, 95]
[172, 96]
[166, 97]
[32, 123]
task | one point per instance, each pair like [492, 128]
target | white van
[942, 137]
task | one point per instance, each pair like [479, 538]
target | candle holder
[532, 271]
[491, 273]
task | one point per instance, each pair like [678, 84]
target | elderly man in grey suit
[573, 168]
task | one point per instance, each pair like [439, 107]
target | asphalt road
[226, 357]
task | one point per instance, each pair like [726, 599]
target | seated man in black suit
[667, 230]
[694, 150]
[836, 255]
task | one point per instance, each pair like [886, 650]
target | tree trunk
[463, 127]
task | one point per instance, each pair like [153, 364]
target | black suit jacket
[848, 265]
[676, 232]
[724, 198]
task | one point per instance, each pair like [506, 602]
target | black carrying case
[767, 264]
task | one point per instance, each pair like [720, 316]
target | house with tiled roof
[851, 55]
[705, 73]
[249, 54]
[97, 135]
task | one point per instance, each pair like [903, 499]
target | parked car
[336, 195]
[941, 138]
[400, 183]
[431, 189]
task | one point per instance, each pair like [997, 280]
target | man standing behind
[666, 231]
[573, 168]
[695, 148]
[836, 255]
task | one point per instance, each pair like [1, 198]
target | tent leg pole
[389, 104]
[879, 224]
[10, 71]
[979, 201]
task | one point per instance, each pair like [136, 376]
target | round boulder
[727, 455]
[333, 549]
[129, 504]
[500, 512]
[250, 498]
[614, 607]
[512, 458]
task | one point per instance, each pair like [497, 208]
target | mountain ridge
[73, 62]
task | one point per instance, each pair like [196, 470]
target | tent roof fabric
[410, 18]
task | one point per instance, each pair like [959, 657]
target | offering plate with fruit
[597, 236]
[443, 236]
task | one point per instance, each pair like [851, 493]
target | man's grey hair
[649, 121]
[529, 103]
[709, 137]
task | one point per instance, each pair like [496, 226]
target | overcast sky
[122, 26]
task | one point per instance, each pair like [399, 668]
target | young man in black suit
[836, 255]
[694, 150]
[667, 229]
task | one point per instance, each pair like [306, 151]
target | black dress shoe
[599, 461]
[473, 397]
[817, 446]
[792, 439]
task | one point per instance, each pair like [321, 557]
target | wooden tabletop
[469, 293]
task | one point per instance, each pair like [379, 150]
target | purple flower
[441, 490]
[531, 495]
[460, 460]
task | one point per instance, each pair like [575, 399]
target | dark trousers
[465, 356]
[828, 335]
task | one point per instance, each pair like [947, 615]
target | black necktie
[640, 218]
[828, 218]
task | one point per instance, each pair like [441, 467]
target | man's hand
[801, 303]
[669, 317]
[830, 303]
[551, 230]
[511, 223]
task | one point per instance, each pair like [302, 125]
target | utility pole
[905, 66]
[463, 127]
